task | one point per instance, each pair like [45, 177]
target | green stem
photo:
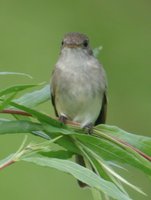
[96, 194]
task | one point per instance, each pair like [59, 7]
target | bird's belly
[79, 103]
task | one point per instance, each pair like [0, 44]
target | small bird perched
[79, 85]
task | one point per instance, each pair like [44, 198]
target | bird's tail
[80, 161]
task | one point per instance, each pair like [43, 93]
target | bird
[79, 85]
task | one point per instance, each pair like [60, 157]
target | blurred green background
[30, 35]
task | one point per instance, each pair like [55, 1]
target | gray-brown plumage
[79, 85]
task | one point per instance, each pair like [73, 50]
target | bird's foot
[63, 119]
[88, 129]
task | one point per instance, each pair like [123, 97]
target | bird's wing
[53, 86]
[54, 105]
[102, 116]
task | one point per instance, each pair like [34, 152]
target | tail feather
[80, 161]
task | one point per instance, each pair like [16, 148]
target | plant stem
[15, 112]
[10, 162]
[123, 144]
[19, 112]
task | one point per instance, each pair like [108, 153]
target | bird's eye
[85, 43]
[62, 43]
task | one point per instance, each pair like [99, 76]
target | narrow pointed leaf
[15, 88]
[6, 101]
[35, 98]
[16, 73]
[143, 143]
[97, 50]
[112, 152]
[61, 154]
[81, 173]
[40, 116]
[22, 127]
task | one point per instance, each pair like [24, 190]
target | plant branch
[75, 124]
[10, 162]
[19, 112]
[135, 149]
[15, 112]
[123, 144]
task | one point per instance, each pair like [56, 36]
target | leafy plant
[108, 147]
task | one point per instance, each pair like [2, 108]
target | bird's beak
[72, 46]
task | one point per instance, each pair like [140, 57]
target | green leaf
[143, 143]
[112, 152]
[41, 134]
[38, 129]
[15, 88]
[22, 127]
[18, 127]
[35, 98]
[61, 154]
[40, 116]
[54, 130]
[81, 173]
[102, 168]
[16, 73]
[97, 50]
[52, 127]
[6, 101]
[67, 142]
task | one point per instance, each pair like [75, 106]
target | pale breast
[79, 88]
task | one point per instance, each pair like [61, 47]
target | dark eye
[62, 43]
[85, 43]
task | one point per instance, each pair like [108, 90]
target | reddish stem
[18, 112]
[136, 150]
[15, 112]
[7, 164]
